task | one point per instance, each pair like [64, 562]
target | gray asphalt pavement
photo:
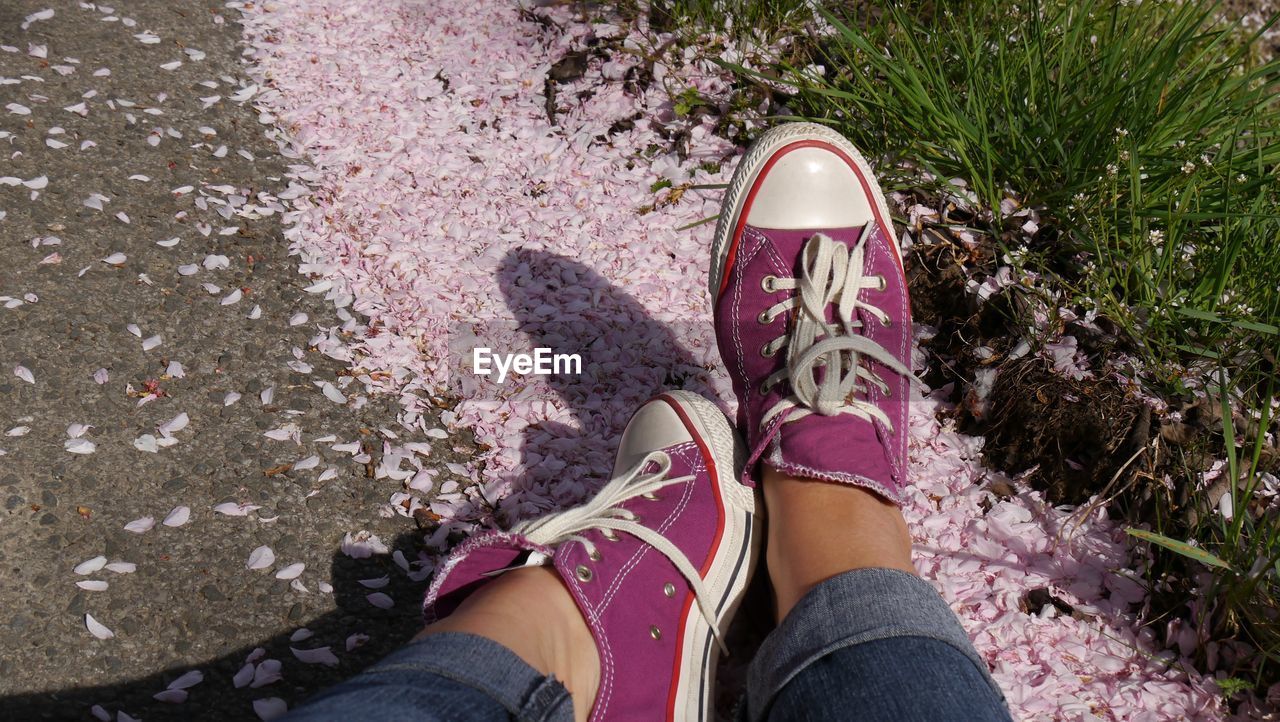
[121, 131]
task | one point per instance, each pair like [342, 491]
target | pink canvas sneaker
[657, 561]
[811, 312]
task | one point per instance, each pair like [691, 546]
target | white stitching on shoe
[904, 351]
[904, 345]
[758, 242]
[604, 694]
[605, 511]
[874, 394]
[735, 307]
[781, 268]
[666, 524]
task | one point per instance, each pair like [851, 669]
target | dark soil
[1068, 438]
[1076, 434]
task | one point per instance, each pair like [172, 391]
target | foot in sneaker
[811, 312]
[657, 561]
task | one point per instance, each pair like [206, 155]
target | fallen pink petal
[269, 708]
[138, 526]
[380, 600]
[177, 516]
[24, 373]
[231, 508]
[187, 680]
[96, 628]
[292, 571]
[80, 446]
[172, 696]
[319, 655]
[266, 672]
[261, 558]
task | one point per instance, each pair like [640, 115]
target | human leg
[813, 323]
[559, 645]
[818, 530]
[656, 563]
[624, 600]
[450, 677]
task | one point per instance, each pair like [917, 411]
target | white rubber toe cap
[655, 426]
[810, 188]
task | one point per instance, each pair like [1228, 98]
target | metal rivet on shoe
[768, 352]
[651, 496]
[609, 534]
[764, 317]
[655, 632]
[883, 283]
[583, 572]
[766, 283]
[594, 555]
[669, 589]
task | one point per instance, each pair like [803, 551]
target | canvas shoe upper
[657, 561]
[811, 312]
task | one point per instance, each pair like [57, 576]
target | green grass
[1242, 552]
[1146, 131]
[1248, 592]
[1148, 135]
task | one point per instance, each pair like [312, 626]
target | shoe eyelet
[887, 323]
[669, 589]
[764, 388]
[766, 284]
[767, 352]
[609, 534]
[651, 496]
[594, 555]
[655, 632]
[583, 572]
[764, 318]
[884, 284]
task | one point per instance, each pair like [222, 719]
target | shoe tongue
[842, 447]
[790, 242]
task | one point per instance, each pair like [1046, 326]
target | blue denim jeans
[870, 644]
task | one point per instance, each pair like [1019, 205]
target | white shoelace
[830, 273]
[603, 512]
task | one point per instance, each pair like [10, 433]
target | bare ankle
[818, 530]
[530, 612]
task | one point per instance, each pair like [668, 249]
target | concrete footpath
[165, 423]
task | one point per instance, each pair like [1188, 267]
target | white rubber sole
[748, 170]
[731, 568]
